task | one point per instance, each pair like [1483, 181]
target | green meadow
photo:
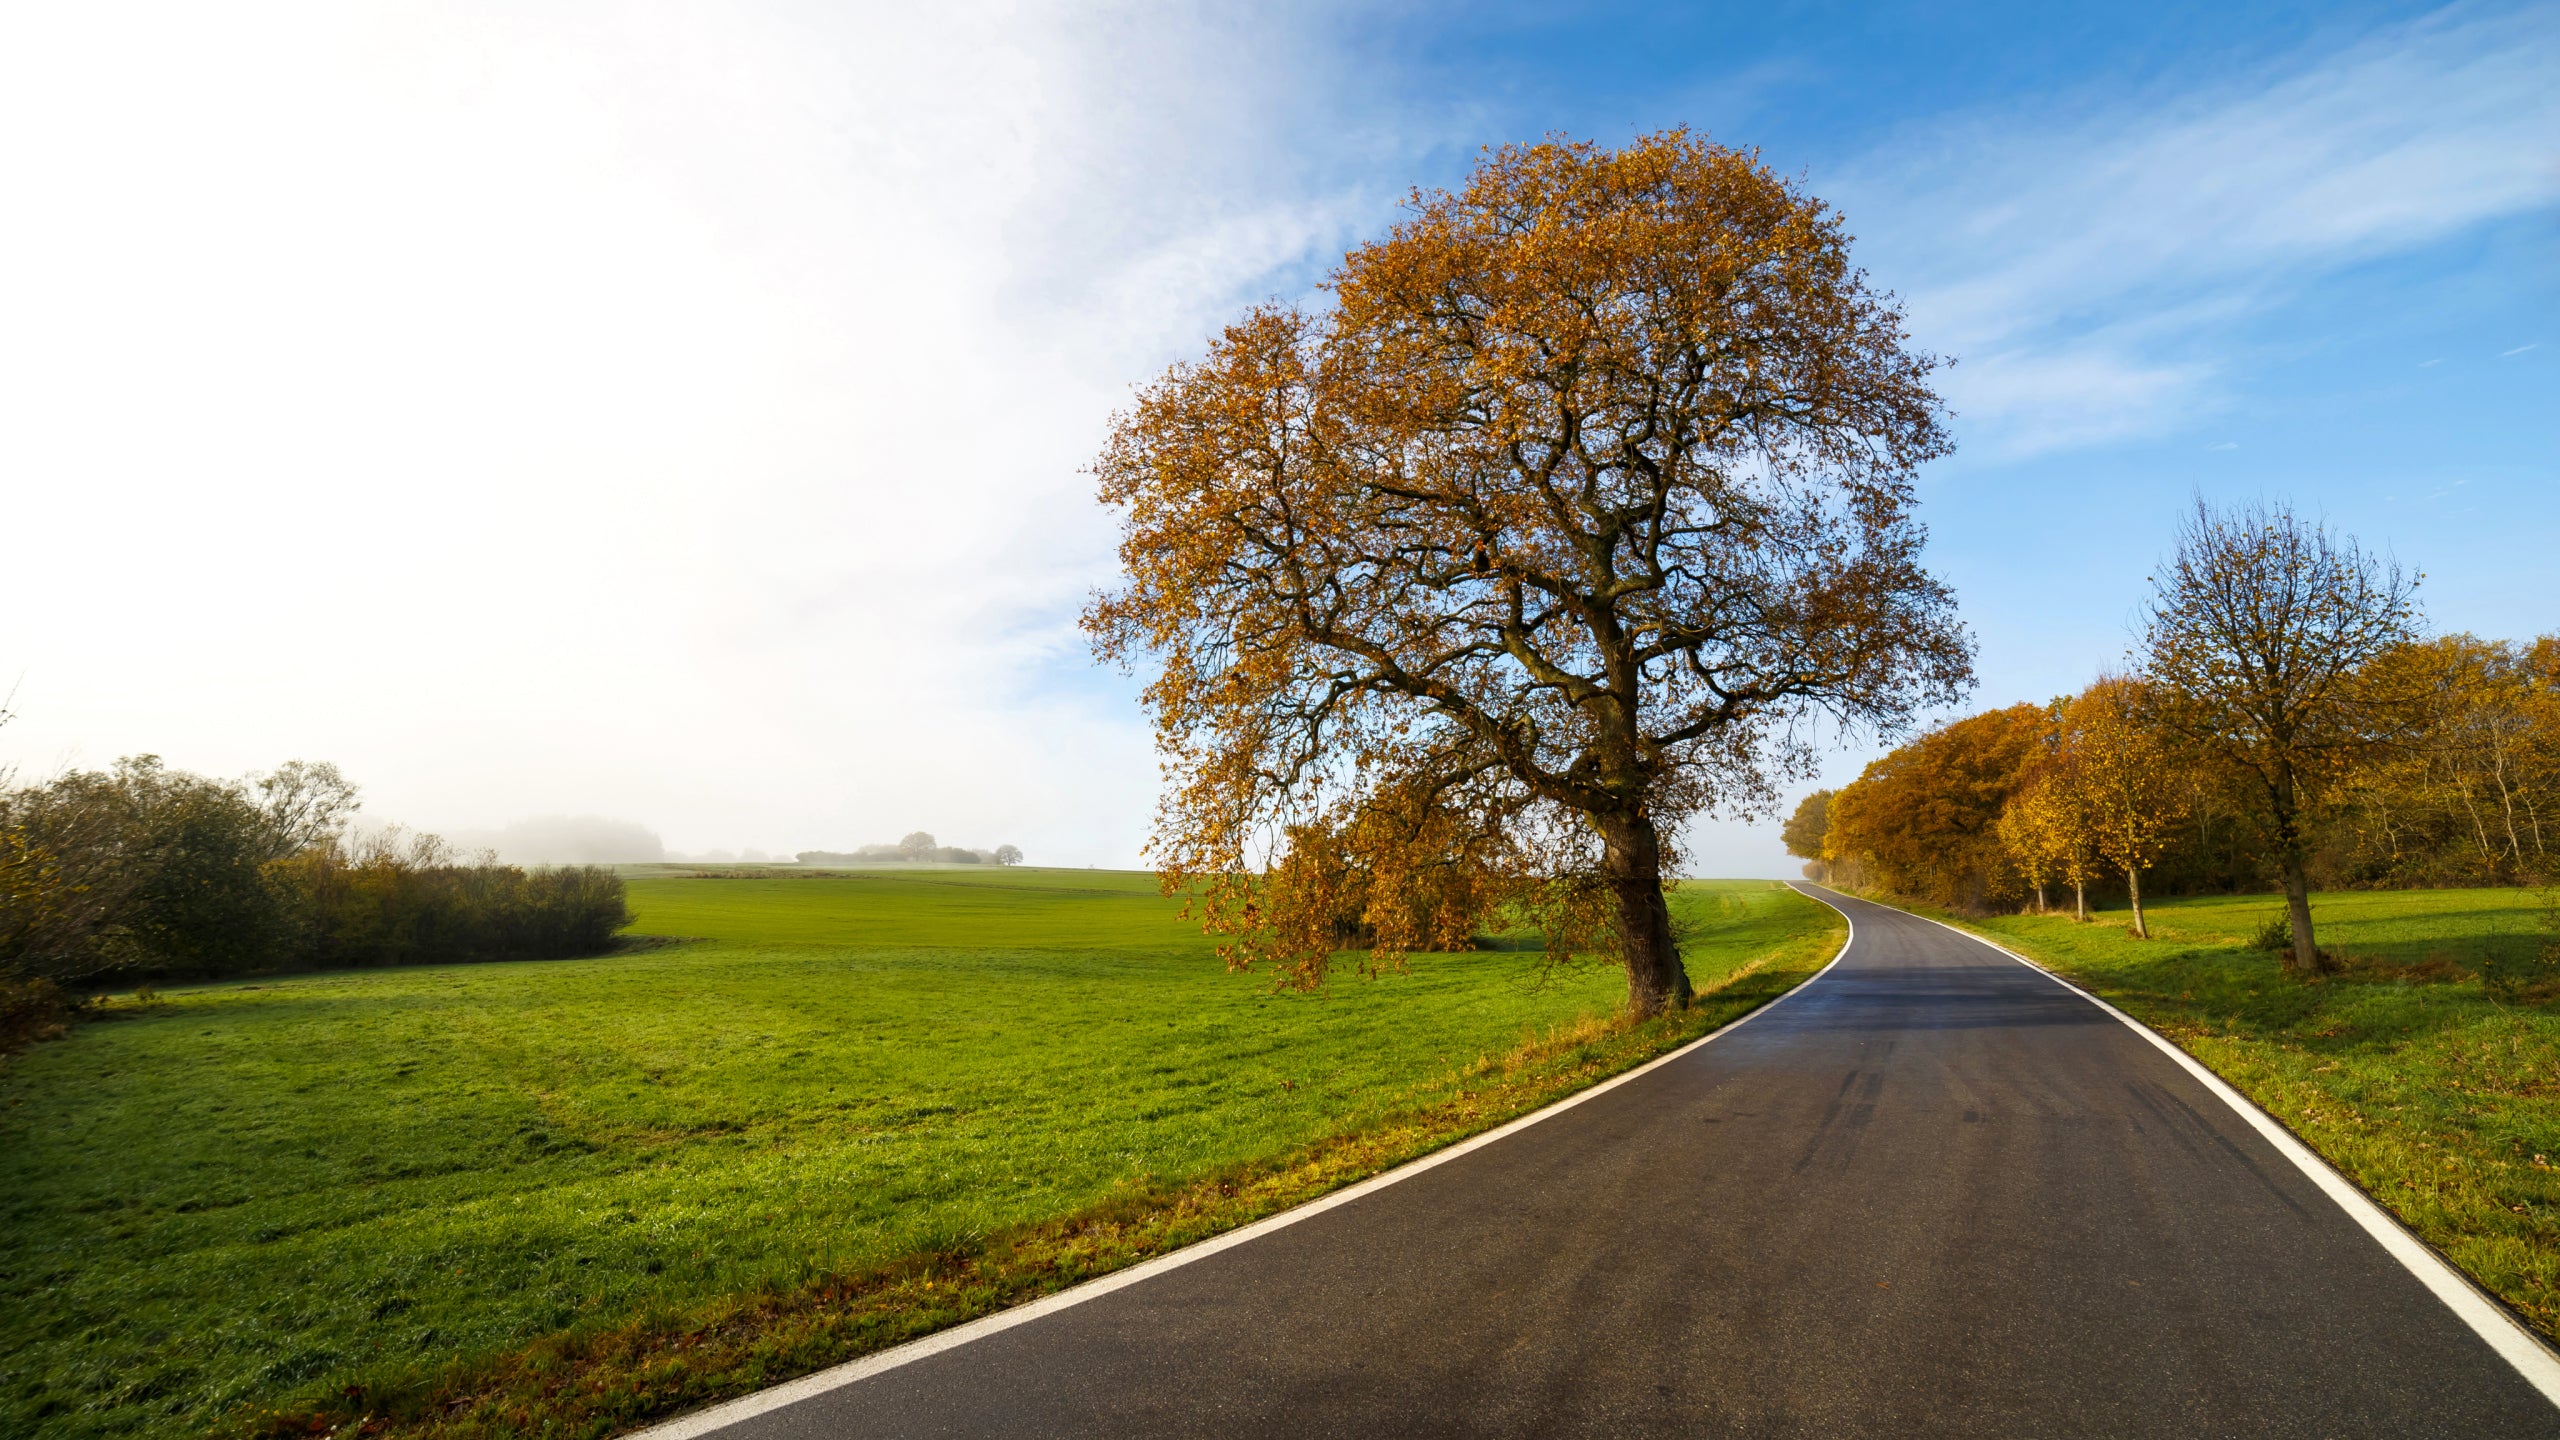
[2437, 1095]
[256, 1195]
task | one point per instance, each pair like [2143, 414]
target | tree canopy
[2131, 796]
[1804, 831]
[1923, 819]
[1591, 489]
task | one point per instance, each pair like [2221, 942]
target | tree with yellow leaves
[2046, 826]
[1591, 487]
[2129, 791]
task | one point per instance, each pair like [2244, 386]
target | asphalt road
[1931, 1193]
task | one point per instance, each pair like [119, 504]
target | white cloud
[659, 411]
[2081, 261]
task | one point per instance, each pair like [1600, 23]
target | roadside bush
[32, 1009]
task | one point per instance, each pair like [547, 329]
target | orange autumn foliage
[1591, 487]
[1924, 820]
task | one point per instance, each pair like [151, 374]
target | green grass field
[2437, 1097]
[258, 1194]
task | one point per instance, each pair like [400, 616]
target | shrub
[2275, 937]
[137, 869]
[2527, 972]
[32, 1009]
[146, 871]
[397, 900]
[2527, 967]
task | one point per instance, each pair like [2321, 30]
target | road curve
[1932, 1192]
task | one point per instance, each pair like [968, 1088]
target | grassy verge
[566, 1197]
[2437, 1097]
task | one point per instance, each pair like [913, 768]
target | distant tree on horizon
[917, 848]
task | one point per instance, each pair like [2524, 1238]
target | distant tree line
[2284, 725]
[146, 872]
[918, 848]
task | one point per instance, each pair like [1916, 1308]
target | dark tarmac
[1931, 1193]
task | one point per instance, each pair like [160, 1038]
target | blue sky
[674, 414]
[2371, 343]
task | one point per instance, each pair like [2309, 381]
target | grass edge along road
[594, 1382]
[2404, 1072]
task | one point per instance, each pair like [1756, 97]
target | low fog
[602, 840]
[567, 840]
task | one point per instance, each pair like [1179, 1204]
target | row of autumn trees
[2285, 725]
[143, 871]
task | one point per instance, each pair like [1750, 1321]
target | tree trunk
[2305, 958]
[2080, 901]
[2283, 807]
[2133, 885]
[2040, 906]
[1632, 862]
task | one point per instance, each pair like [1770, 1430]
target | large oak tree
[1590, 490]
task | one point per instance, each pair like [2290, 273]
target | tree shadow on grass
[2247, 992]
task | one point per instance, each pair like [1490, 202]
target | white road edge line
[2488, 1319]
[792, 1392]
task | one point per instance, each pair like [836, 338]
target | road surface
[1933, 1192]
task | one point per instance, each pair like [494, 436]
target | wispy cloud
[2082, 265]
[2503, 354]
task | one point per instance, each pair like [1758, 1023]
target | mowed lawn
[263, 1192]
[2438, 1097]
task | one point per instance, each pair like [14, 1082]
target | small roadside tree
[1590, 489]
[2130, 792]
[2256, 630]
[2030, 849]
[2049, 817]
